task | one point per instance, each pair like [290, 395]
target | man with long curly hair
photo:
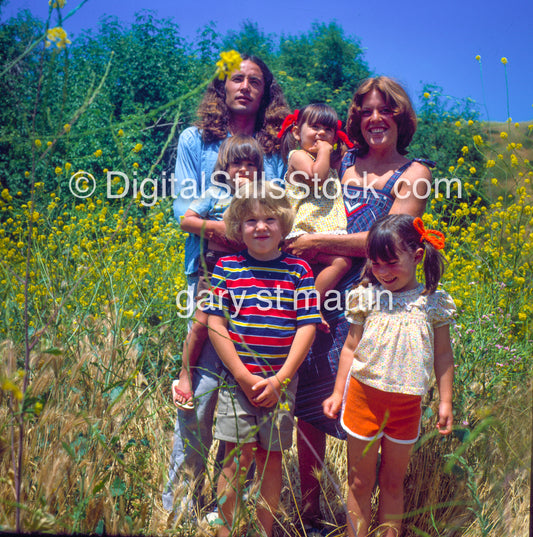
[247, 102]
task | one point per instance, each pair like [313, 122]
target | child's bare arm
[301, 162]
[268, 390]
[443, 365]
[212, 230]
[333, 403]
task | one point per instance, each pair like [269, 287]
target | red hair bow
[289, 121]
[434, 237]
[342, 135]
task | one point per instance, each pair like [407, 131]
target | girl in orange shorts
[399, 335]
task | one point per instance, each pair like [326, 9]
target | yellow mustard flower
[137, 148]
[38, 143]
[503, 135]
[504, 60]
[494, 181]
[490, 163]
[229, 61]
[120, 132]
[58, 36]
[58, 170]
[426, 95]
[464, 149]
[66, 127]
[98, 153]
[478, 58]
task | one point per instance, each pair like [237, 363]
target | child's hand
[268, 392]
[332, 406]
[445, 422]
[322, 145]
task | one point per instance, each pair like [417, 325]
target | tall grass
[90, 341]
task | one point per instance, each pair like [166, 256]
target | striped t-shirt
[264, 302]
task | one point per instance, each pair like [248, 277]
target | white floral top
[396, 351]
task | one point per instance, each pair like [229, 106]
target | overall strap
[394, 177]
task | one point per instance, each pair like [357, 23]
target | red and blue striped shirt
[265, 302]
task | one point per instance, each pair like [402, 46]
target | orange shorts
[369, 413]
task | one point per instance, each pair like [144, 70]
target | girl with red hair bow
[310, 144]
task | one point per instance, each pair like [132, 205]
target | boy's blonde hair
[268, 194]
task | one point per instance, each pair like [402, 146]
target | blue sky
[414, 41]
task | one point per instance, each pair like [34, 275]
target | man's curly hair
[213, 114]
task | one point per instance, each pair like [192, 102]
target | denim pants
[193, 433]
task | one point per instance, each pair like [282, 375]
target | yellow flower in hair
[229, 61]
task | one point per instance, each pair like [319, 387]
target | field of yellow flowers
[90, 341]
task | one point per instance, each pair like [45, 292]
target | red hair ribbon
[289, 121]
[434, 237]
[342, 135]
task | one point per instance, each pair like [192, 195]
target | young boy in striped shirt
[263, 311]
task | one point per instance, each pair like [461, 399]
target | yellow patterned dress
[319, 206]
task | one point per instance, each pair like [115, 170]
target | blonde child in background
[262, 322]
[240, 160]
[399, 335]
[310, 142]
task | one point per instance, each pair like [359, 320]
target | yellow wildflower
[58, 36]
[472, 170]
[503, 135]
[38, 143]
[490, 163]
[478, 58]
[98, 153]
[66, 127]
[477, 139]
[464, 150]
[58, 170]
[426, 95]
[494, 181]
[137, 148]
[229, 61]
[57, 3]
[120, 132]
[504, 60]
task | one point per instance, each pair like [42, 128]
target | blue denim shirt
[195, 162]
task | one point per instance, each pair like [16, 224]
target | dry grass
[95, 458]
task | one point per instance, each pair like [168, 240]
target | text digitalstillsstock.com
[119, 185]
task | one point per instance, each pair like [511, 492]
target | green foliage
[439, 136]
[321, 65]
